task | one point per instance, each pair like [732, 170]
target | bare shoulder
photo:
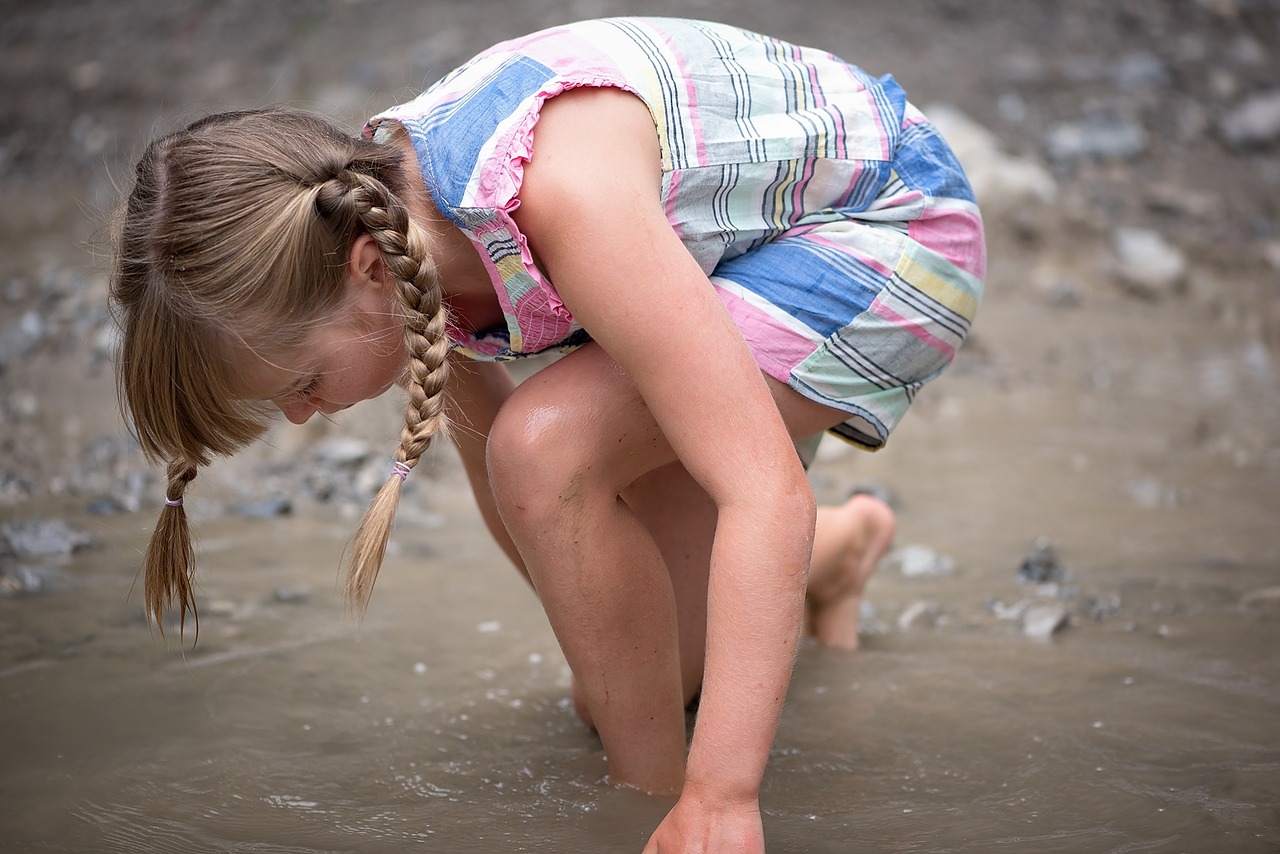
[588, 140]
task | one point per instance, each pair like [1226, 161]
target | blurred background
[1071, 649]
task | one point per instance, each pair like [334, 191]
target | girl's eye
[308, 389]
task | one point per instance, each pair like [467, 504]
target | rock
[22, 337]
[43, 537]
[921, 614]
[1254, 122]
[1042, 621]
[105, 505]
[291, 595]
[20, 581]
[266, 508]
[344, 453]
[1147, 264]
[1098, 138]
[923, 562]
[1265, 597]
[1139, 70]
[1041, 566]
[1001, 611]
[1102, 609]
[1151, 493]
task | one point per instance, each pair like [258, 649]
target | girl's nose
[297, 411]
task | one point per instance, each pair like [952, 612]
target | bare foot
[848, 544]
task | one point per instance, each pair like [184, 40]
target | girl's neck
[462, 273]
[464, 282]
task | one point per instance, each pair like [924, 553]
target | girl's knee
[535, 454]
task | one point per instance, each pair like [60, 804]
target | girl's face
[356, 355]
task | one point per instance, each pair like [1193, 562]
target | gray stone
[921, 614]
[1254, 122]
[1044, 620]
[266, 508]
[291, 595]
[342, 452]
[43, 537]
[923, 562]
[1099, 138]
[21, 580]
[1140, 70]
[1041, 566]
[1147, 263]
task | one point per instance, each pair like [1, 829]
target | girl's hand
[698, 826]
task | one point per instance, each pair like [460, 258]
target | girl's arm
[591, 207]
[475, 393]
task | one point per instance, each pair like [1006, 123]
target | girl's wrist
[721, 786]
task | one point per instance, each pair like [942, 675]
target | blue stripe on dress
[453, 137]
[820, 287]
[926, 163]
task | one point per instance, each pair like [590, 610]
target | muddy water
[441, 723]
[1149, 723]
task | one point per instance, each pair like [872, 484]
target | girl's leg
[848, 543]
[583, 477]
[565, 446]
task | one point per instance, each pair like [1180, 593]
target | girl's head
[253, 248]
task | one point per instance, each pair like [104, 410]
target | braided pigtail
[404, 249]
[170, 562]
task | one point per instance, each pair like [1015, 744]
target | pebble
[291, 595]
[342, 452]
[266, 508]
[1147, 264]
[1042, 621]
[1150, 493]
[1261, 598]
[921, 614]
[21, 338]
[44, 537]
[1002, 611]
[917, 561]
[20, 581]
[1041, 566]
[1099, 138]
[1254, 122]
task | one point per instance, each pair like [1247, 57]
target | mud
[1133, 424]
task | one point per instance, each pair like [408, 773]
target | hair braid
[170, 563]
[404, 249]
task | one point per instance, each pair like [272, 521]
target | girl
[738, 242]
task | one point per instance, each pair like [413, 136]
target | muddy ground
[1118, 401]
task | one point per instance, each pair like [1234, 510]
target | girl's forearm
[754, 619]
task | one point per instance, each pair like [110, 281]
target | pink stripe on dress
[920, 332]
[777, 350]
[951, 233]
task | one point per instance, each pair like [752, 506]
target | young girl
[738, 242]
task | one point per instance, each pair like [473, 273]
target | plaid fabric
[835, 223]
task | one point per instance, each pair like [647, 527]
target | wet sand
[1139, 436]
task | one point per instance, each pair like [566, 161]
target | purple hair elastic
[401, 469]
[173, 502]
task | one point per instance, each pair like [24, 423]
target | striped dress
[833, 221]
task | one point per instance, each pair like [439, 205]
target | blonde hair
[236, 236]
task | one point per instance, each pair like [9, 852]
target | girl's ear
[364, 264]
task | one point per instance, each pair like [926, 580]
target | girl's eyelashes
[308, 389]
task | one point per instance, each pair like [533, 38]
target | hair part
[235, 239]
